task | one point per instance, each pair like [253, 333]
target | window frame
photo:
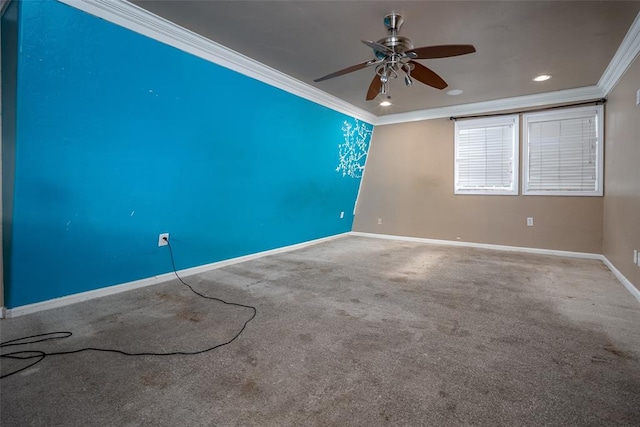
[514, 121]
[568, 113]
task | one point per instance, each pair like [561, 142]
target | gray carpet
[352, 332]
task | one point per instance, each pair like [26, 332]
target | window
[486, 156]
[562, 152]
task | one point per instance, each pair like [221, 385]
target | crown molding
[625, 55]
[143, 22]
[505, 104]
[134, 18]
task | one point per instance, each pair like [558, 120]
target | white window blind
[486, 156]
[563, 152]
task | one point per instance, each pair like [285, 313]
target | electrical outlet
[161, 240]
[530, 221]
[635, 257]
[379, 221]
[341, 214]
[638, 97]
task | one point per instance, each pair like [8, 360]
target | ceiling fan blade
[374, 88]
[427, 76]
[378, 47]
[440, 51]
[348, 70]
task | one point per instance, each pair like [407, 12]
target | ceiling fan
[395, 53]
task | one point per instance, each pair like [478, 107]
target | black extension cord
[40, 355]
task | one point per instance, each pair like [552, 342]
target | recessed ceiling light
[385, 103]
[542, 78]
[454, 92]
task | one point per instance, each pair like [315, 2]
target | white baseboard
[481, 245]
[84, 296]
[625, 282]
[110, 290]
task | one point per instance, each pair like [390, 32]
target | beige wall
[408, 183]
[622, 175]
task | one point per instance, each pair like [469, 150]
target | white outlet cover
[530, 221]
[161, 241]
[635, 257]
[342, 214]
[638, 97]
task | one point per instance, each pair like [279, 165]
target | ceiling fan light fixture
[542, 78]
[396, 53]
[385, 103]
[454, 92]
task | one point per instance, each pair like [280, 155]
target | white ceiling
[515, 41]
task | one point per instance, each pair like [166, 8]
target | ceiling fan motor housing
[393, 41]
[398, 44]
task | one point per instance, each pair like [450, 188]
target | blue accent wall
[120, 138]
